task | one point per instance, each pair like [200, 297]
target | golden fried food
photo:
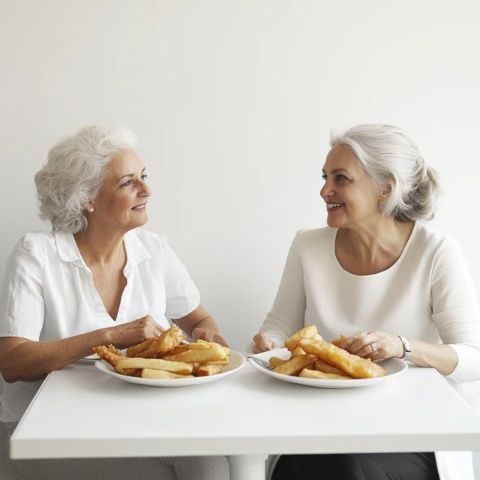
[307, 332]
[295, 365]
[141, 347]
[352, 365]
[108, 353]
[164, 343]
[166, 356]
[181, 368]
[214, 353]
[321, 366]
[275, 361]
[206, 370]
[298, 351]
[308, 373]
[156, 374]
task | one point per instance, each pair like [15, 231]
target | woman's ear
[386, 189]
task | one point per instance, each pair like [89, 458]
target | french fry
[353, 365]
[295, 365]
[162, 344]
[206, 370]
[214, 353]
[321, 366]
[139, 348]
[307, 332]
[307, 373]
[275, 361]
[156, 374]
[180, 368]
[298, 351]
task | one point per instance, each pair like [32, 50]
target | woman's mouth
[333, 207]
[140, 207]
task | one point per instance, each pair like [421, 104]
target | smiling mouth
[331, 207]
[140, 207]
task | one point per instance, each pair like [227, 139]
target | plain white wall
[232, 103]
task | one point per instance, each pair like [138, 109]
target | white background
[232, 103]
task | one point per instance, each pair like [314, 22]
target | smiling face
[351, 198]
[123, 196]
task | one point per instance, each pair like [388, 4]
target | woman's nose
[325, 191]
[145, 190]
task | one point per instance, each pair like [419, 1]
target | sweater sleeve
[288, 311]
[455, 309]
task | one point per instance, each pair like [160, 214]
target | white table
[81, 412]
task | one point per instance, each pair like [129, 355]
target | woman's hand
[208, 335]
[262, 342]
[374, 345]
[131, 333]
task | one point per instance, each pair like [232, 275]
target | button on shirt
[49, 294]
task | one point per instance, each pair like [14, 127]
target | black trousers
[358, 466]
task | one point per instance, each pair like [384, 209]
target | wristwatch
[407, 349]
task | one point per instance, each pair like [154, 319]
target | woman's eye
[144, 176]
[324, 176]
[341, 178]
[126, 184]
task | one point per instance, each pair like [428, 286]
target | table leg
[247, 467]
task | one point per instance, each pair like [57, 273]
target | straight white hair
[74, 172]
[387, 155]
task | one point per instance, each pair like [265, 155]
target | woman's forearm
[29, 360]
[441, 357]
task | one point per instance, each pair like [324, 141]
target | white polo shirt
[49, 294]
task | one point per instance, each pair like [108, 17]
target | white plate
[237, 361]
[89, 359]
[393, 366]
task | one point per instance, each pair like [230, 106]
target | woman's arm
[199, 324]
[28, 360]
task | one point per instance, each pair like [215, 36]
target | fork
[259, 361]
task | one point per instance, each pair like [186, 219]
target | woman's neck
[379, 242]
[100, 247]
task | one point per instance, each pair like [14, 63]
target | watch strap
[407, 349]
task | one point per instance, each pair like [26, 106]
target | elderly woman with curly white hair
[96, 278]
[387, 282]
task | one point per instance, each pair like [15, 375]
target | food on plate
[313, 357]
[306, 332]
[167, 356]
[295, 365]
[353, 365]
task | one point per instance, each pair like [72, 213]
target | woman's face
[352, 200]
[122, 200]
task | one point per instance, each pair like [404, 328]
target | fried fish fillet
[353, 365]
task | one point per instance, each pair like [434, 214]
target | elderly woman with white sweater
[385, 280]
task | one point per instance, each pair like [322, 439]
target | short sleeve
[22, 307]
[288, 311]
[455, 309]
[182, 296]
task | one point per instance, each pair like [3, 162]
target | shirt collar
[68, 250]
[67, 247]
[136, 250]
